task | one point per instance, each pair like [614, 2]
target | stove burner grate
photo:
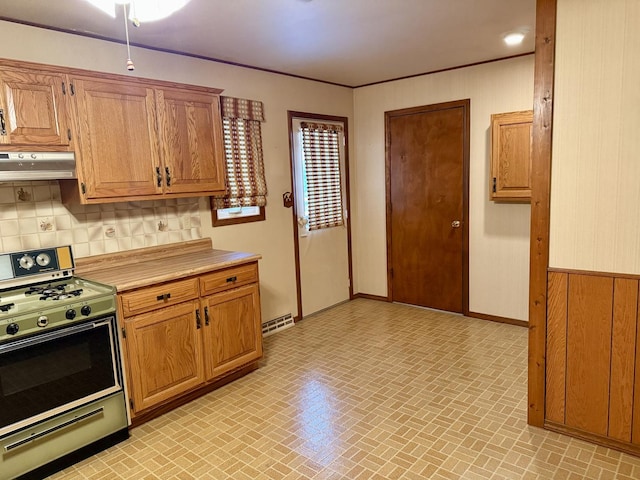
[60, 295]
[46, 290]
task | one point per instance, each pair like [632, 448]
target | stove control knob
[86, 310]
[43, 321]
[70, 314]
[12, 328]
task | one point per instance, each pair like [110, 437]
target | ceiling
[346, 42]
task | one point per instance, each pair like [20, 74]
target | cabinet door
[511, 156]
[192, 146]
[233, 330]
[119, 141]
[34, 109]
[165, 354]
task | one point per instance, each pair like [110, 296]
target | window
[321, 177]
[245, 198]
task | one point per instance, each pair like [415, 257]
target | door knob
[455, 224]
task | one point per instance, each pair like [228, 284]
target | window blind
[246, 184]
[321, 149]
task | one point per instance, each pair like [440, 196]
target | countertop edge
[168, 269]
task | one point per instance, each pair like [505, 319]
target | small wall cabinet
[511, 156]
[34, 109]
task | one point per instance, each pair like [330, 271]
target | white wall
[595, 187]
[273, 239]
[499, 233]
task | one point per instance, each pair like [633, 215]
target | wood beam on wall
[540, 205]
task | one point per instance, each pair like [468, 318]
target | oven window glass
[42, 376]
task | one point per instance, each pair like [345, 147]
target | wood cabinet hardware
[232, 279]
[198, 321]
[166, 169]
[206, 316]
[164, 296]
[3, 128]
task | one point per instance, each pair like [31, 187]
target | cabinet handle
[3, 128]
[166, 169]
[206, 316]
[164, 296]
[159, 176]
[198, 321]
[232, 279]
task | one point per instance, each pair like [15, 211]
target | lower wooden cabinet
[174, 349]
[233, 333]
[165, 354]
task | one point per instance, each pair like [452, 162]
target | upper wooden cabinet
[134, 139]
[191, 138]
[142, 140]
[511, 156]
[33, 110]
[118, 140]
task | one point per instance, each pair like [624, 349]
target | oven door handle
[54, 429]
[45, 337]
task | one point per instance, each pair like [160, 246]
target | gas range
[38, 292]
[61, 383]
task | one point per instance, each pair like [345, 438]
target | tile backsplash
[32, 216]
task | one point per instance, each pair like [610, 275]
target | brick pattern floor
[366, 390]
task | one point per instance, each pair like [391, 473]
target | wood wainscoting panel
[623, 352]
[556, 346]
[589, 352]
[635, 432]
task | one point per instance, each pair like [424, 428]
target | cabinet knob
[455, 224]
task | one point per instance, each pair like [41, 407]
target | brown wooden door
[427, 157]
[119, 139]
[34, 108]
[192, 146]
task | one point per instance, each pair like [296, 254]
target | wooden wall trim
[497, 319]
[629, 276]
[593, 438]
[371, 297]
[540, 205]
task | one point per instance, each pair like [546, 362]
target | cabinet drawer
[158, 296]
[228, 278]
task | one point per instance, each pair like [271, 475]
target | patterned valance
[321, 127]
[242, 108]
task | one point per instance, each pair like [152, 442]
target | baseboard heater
[277, 325]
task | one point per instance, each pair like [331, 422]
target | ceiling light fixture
[139, 11]
[513, 38]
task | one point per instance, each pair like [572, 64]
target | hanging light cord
[130, 65]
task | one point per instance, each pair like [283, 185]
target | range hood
[36, 166]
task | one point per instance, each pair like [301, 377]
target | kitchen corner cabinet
[192, 146]
[34, 111]
[185, 335]
[233, 330]
[511, 156]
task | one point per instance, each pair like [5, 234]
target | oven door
[51, 373]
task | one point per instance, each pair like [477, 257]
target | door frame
[466, 106]
[294, 213]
